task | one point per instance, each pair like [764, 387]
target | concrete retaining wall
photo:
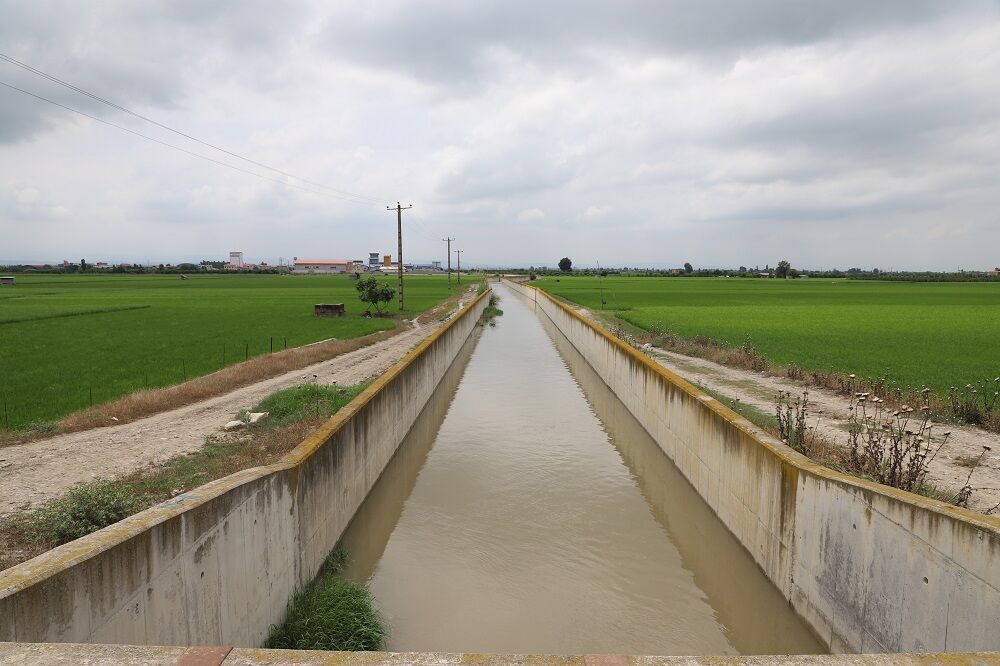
[870, 568]
[218, 565]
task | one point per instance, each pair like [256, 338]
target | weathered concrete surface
[218, 565]
[870, 568]
[68, 653]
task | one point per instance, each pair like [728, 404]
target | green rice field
[68, 340]
[933, 334]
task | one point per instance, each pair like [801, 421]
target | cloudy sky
[832, 133]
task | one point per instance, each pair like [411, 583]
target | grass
[89, 507]
[915, 334]
[299, 403]
[923, 333]
[763, 420]
[331, 613]
[72, 341]
[491, 311]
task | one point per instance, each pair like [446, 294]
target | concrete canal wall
[217, 566]
[870, 568]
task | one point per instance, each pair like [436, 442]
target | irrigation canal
[529, 512]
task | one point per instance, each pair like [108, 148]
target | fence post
[184, 369]
[286, 343]
[91, 395]
[6, 418]
[272, 344]
[223, 354]
[246, 351]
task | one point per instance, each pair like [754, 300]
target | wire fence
[43, 407]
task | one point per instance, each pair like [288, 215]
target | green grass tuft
[331, 613]
[295, 404]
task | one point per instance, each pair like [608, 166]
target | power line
[342, 193]
[168, 145]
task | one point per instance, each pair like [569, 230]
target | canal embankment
[217, 565]
[870, 568]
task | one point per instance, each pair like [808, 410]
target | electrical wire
[170, 145]
[342, 193]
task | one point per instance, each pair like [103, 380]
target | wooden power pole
[459, 253]
[399, 237]
[448, 241]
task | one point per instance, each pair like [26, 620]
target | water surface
[529, 512]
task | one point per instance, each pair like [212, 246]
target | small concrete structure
[6, 280]
[329, 309]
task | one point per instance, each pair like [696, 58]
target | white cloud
[596, 212]
[531, 215]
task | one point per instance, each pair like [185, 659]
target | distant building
[994, 273]
[6, 280]
[236, 259]
[373, 259]
[320, 266]
[387, 260]
[436, 264]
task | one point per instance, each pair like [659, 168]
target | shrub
[85, 509]
[791, 416]
[374, 293]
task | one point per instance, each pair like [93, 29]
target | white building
[319, 266]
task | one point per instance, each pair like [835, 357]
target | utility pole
[449, 240]
[399, 238]
[459, 253]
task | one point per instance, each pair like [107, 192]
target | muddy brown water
[529, 512]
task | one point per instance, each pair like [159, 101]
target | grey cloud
[450, 43]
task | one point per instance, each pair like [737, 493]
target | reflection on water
[534, 514]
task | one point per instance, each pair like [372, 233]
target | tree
[782, 270]
[688, 268]
[374, 293]
[84, 265]
[565, 264]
